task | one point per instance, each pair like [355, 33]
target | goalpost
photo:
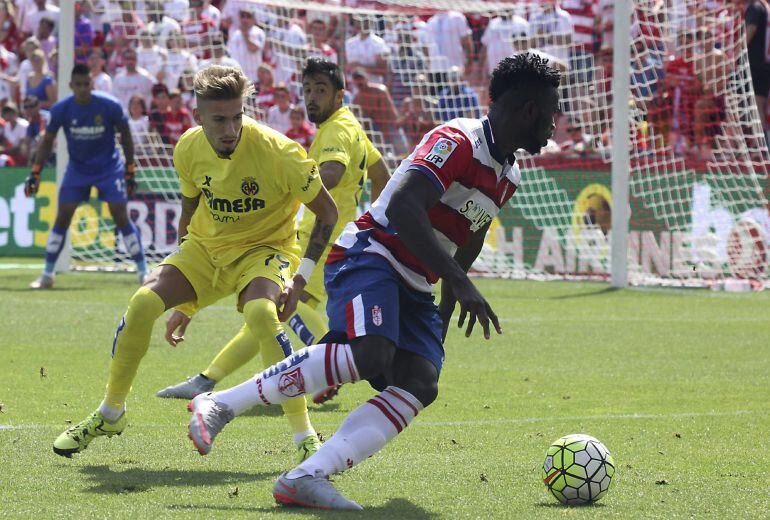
[665, 184]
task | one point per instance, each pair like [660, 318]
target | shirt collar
[497, 155]
[334, 115]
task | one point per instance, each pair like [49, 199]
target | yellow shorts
[212, 283]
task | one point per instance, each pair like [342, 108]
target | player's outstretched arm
[325, 211]
[379, 175]
[408, 213]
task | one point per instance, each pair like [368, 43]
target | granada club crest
[292, 384]
[249, 186]
[377, 315]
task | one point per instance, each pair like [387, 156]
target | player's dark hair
[526, 73]
[81, 69]
[327, 68]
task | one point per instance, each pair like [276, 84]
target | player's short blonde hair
[220, 83]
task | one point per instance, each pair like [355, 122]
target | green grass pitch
[674, 382]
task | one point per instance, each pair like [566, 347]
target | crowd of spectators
[405, 73]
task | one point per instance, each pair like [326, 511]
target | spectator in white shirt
[451, 41]
[178, 61]
[138, 120]
[366, 51]
[14, 132]
[150, 56]
[552, 30]
[42, 9]
[319, 35]
[132, 80]
[218, 56]
[212, 12]
[246, 44]
[287, 47]
[160, 25]
[102, 80]
[29, 47]
[9, 64]
[504, 36]
[47, 40]
[176, 9]
[279, 115]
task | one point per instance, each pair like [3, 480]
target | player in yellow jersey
[242, 185]
[345, 157]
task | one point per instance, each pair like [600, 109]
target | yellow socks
[131, 341]
[262, 320]
[239, 351]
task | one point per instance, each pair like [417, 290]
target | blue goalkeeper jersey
[90, 132]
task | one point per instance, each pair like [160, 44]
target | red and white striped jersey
[583, 13]
[461, 159]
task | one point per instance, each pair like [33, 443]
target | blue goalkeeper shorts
[367, 297]
[76, 187]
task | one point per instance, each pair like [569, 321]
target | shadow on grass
[598, 292]
[395, 508]
[26, 289]
[559, 505]
[135, 480]
[276, 411]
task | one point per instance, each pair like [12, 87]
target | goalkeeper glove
[32, 183]
[130, 181]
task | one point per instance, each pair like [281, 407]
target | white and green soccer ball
[578, 469]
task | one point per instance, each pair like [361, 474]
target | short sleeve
[334, 146]
[461, 25]
[301, 173]
[56, 118]
[186, 184]
[372, 153]
[443, 157]
[117, 114]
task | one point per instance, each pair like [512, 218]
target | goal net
[698, 154]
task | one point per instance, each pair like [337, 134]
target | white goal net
[699, 157]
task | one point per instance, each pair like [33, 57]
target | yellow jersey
[340, 138]
[250, 199]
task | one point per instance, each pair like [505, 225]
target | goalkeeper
[242, 185]
[345, 157]
[90, 120]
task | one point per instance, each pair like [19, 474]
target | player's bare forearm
[467, 254]
[408, 213]
[325, 211]
[379, 175]
[331, 173]
[44, 148]
[127, 142]
[189, 205]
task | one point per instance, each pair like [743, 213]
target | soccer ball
[578, 469]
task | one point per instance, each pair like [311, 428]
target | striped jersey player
[429, 223]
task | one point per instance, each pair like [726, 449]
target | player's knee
[145, 306]
[425, 391]
[373, 355]
[259, 312]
